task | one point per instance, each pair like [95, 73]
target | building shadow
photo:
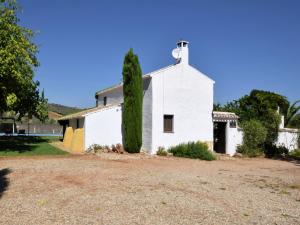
[19, 144]
[4, 180]
[294, 160]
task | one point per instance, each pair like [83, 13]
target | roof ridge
[143, 77]
[87, 111]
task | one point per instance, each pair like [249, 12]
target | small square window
[168, 123]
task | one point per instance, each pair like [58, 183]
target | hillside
[53, 115]
[62, 109]
[55, 111]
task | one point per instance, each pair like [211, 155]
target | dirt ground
[114, 189]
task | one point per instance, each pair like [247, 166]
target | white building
[177, 107]
[228, 135]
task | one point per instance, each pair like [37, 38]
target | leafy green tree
[217, 107]
[18, 91]
[133, 103]
[261, 106]
[292, 116]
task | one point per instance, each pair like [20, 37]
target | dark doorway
[65, 124]
[220, 137]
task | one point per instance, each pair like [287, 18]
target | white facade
[178, 90]
[103, 127]
[187, 94]
[234, 138]
[288, 138]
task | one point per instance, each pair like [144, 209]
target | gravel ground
[138, 189]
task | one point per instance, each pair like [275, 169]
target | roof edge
[147, 75]
[86, 112]
[203, 74]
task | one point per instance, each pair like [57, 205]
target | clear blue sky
[240, 44]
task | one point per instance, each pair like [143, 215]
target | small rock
[238, 155]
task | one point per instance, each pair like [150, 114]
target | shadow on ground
[294, 160]
[4, 181]
[19, 144]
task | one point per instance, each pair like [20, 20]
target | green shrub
[194, 150]
[295, 154]
[299, 139]
[161, 151]
[96, 148]
[273, 151]
[249, 151]
[253, 139]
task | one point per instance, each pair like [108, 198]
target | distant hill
[61, 110]
[55, 111]
[53, 115]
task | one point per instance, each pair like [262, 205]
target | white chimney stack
[181, 53]
[183, 46]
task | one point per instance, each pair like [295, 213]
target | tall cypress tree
[133, 103]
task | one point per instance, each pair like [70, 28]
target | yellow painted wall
[68, 137]
[77, 141]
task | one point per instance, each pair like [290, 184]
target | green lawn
[28, 146]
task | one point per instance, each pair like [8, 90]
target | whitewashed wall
[184, 92]
[288, 138]
[114, 96]
[104, 127]
[147, 115]
[234, 137]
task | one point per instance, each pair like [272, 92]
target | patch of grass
[28, 146]
[284, 192]
[295, 154]
[294, 186]
[286, 215]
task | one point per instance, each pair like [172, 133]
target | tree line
[260, 116]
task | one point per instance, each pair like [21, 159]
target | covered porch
[227, 134]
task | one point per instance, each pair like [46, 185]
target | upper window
[104, 100]
[168, 123]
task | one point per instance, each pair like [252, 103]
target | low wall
[234, 138]
[288, 138]
[40, 128]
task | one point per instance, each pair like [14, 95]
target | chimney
[184, 51]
